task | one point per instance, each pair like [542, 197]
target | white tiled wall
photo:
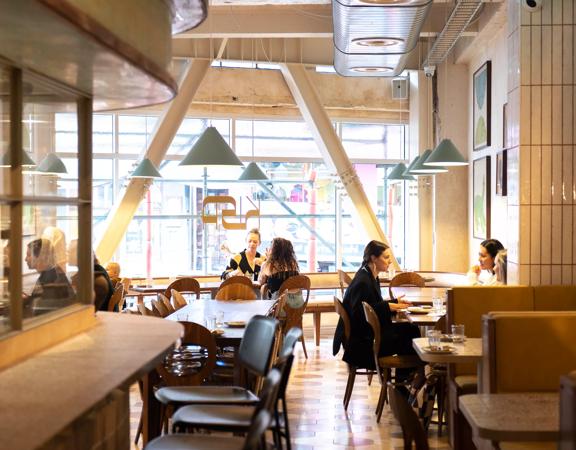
[542, 165]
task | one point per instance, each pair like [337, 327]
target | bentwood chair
[412, 429]
[117, 299]
[301, 282]
[184, 286]
[405, 279]
[344, 280]
[159, 306]
[178, 300]
[236, 291]
[384, 364]
[146, 311]
[237, 279]
[352, 370]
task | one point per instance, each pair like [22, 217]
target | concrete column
[123, 211]
[330, 147]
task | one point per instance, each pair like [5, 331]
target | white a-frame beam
[123, 211]
[331, 148]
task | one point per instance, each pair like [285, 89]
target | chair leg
[349, 386]
[441, 399]
[304, 346]
[139, 429]
[370, 375]
[286, 426]
[383, 394]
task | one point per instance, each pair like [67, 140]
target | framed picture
[481, 198]
[501, 173]
[481, 101]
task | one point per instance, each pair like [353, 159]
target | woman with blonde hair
[248, 262]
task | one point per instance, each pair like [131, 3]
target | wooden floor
[317, 418]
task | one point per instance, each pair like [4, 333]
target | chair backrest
[412, 428]
[339, 307]
[344, 280]
[167, 303]
[183, 285]
[260, 423]
[372, 319]
[145, 311]
[236, 291]
[555, 298]
[257, 345]
[178, 300]
[467, 304]
[293, 312]
[290, 340]
[527, 351]
[193, 361]
[117, 299]
[405, 279]
[126, 282]
[160, 308]
[296, 282]
[237, 279]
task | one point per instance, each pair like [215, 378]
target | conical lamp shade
[146, 170]
[6, 160]
[446, 154]
[397, 173]
[409, 168]
[51, 165]
[211, 150]
[421, 169]
[253, 173]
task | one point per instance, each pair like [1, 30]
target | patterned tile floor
[317, 418]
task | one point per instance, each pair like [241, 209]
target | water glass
[210, 322]
[219, 319]
[438, 304]
[458, 335]
[434, 337]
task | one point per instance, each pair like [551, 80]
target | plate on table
[441, 349]
[218, 332]
[419, 309]
[236, 324]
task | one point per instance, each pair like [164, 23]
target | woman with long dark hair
[491, 267]
[281, 264]
[396, 338]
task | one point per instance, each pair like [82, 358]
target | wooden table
[424, 320]
[234, 310]
[525, 416]
[470, 351]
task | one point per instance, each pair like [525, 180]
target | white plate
[442, 350]
[419, 310]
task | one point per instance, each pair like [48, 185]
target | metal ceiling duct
[373, 37]
[460, 17]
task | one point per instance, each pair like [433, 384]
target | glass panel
[51, 176]
[103, 133]
[4, 269]
[373, 141]
[134, 133]
[47, 267]
[4, 130]
[191, 129]
[275, 139]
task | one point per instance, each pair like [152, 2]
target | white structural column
[331, 148]
[124, 210]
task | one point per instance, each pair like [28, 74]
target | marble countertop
[470, 351]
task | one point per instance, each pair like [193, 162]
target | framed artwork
[501, 173]
[481, 198]
[481, 101]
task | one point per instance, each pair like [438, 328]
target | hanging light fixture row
[429, 163]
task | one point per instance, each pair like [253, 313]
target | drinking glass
[219, 319]
[210, 322]
[434, 337]
[458, 335]
[438, 304]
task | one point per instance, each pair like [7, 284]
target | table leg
[317, 317]
[151, 426]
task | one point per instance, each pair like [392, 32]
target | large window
[302, 201]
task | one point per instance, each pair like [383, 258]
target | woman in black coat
[396, 338]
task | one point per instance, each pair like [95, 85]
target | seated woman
[365, 287]
[113, 270]
[280, 265]
[248, 261]
[485, 272]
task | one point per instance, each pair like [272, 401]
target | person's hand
[398, 306]
[476, 269]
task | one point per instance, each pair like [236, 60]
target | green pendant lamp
[6, 160]
[397, 174]
[146, 170]
[446, 154]
[211, 150]
[253, 173]
[51, 165]
[421, 169]
[407, 172]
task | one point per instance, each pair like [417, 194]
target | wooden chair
[236, 291]
[412, 429]
[126, 282]
[167, 303]
[384, 364]
[160, 308]
[183, 285]
[289, 316]
[178, 300]
[352, 370]
[237, 279]
[405, 279]
[117, 299]
[146, 311]
[344, 280]
[301, 282]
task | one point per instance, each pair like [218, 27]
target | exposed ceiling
[292, 31]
